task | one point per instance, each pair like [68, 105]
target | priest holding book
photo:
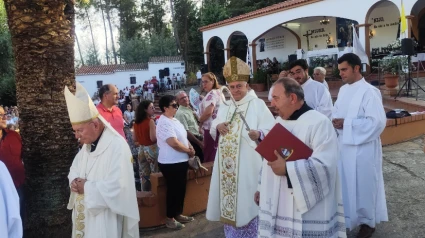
[300, 197]
[237, 165]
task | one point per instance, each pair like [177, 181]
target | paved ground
[404, 175]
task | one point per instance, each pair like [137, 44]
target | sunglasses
[174, 105]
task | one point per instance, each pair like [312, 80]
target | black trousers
[176, 177]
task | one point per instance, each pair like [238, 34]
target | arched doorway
[216, 56]
[418, 24]
[237, 45]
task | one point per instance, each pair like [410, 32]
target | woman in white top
[208, 112]
[174, 152]
[129, 115]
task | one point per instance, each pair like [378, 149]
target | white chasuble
[108, 208]
[317, 96]
[360, 104]
[313, 206]
[237, 164]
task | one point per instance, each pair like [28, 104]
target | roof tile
[110, 69]
[166, 59]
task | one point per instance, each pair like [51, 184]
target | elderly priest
[237, 164]
[103, 195]
[301, 198]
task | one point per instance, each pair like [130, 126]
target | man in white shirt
[199, 76]
[359, 118]
[319, 74]
[316, 95]
[151, 93]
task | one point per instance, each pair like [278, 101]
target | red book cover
[289, 146]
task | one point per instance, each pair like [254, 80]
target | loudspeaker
[407, 47]
[161, 73]
[292, 58]
[204, 68]
[167, 72]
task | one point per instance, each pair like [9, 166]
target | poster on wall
[276, 42]
[262, 44]
[345, 31]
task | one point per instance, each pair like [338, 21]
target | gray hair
[321, 70]
[291, 86]
[180, 92]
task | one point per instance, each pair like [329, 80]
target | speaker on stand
[408, 48]
[167, 72]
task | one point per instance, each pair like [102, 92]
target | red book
[289, 146]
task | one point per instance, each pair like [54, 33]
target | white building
[280, 30]
[126, 75]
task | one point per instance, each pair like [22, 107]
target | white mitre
[81, 108]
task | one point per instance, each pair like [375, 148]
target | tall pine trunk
[79, 49]
[43, 44]
[108, 17]
[106, 35]
[176, 33]
[92, 37]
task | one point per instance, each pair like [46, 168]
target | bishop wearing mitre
[103, 195]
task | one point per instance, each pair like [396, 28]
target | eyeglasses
[239, 86]
[175, 105]
[183, 97]
[205, 82]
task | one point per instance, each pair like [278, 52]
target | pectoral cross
[270, 204]
[308, 39]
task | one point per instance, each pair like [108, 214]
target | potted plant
[392, 67]
[259, 81]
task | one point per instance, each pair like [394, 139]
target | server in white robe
[359, 118]
[103, 196]
[10, 218]
[316, 95]
[319, 75]
[237, 164]
[301, 198]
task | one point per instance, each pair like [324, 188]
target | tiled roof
[260, 12]
[166, 59]
[110, 69]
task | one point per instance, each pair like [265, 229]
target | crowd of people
[269, 66]
[340, 185]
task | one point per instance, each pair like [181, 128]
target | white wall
[122, 79]
[287, 45]
[320, 35]
[384, 19]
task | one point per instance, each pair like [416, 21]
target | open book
[289, 146]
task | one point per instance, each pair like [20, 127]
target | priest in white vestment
[301, 198]
[103, 195]
[237, 165]
[359, 118]
[316, 95]
[10, 218]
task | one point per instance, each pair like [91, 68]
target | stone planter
[258, 87]
[391, 81]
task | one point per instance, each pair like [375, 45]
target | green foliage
[213, 12]
[260, 76]
[393, 64]
[92, 57]
[151, 14]
[191, 79]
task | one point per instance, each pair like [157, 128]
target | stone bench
[405, 129]
[152, 205]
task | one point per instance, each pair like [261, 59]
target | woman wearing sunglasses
[174, 152]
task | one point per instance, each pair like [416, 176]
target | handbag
[195, 163]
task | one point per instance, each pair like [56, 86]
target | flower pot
[391, 80]
[258, 87]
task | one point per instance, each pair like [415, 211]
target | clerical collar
[304, 108]
[94, 144]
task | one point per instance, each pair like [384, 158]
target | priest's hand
[338, 123]
[80, 185]
[74, 187]
[257, 198]
[223, 128]
[254, 135]
[278, 166]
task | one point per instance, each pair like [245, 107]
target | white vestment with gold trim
[237, 165]
[108, 208]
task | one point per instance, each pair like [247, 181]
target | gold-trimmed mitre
[236, 70]
[81, 108]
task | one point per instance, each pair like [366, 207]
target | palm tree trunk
[42, 34]
[108, 17]
[173, 21]
[92, 37]
[106, 36]
[79, 49]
